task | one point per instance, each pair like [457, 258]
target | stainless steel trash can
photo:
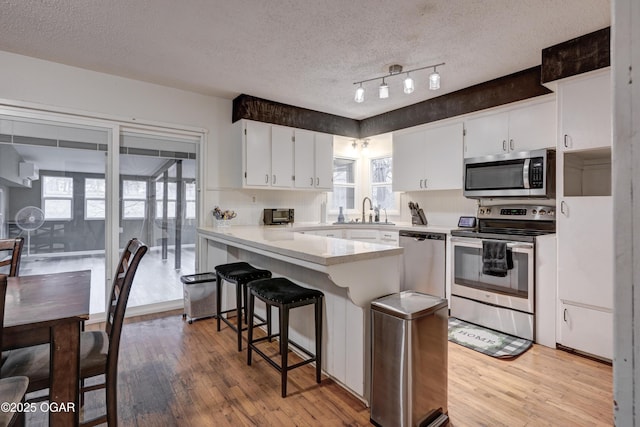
[199, 295]
[409, 360]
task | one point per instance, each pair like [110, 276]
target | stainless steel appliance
[409, 360]
[278, 216]
[499, 298]
[424, 262]
[524, 174]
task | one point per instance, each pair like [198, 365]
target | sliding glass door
[52, 191]
[158, 205]
[77, 194]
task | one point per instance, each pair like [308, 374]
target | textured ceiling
[298, 52]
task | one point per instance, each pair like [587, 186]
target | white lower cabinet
[587, 329]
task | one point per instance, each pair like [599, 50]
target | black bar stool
[239, 273]
[284, 294]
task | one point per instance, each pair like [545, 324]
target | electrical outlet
[253, 199]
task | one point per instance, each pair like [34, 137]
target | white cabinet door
[304, 159]
[408, 161]
[257, 154]
[528, 127]
[443, 158]
[389, 237]
[585, 113]
[533, 127]
[281, 157]
[487, 135]
[323, 161]
[585, 250]
[369, 235]
[587, 330]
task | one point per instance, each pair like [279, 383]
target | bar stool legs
[285, 295]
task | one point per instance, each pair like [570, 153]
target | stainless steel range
[493, 281]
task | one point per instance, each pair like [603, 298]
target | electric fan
[29, 219]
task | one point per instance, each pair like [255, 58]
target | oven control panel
[524, 212]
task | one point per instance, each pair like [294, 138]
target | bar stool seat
[282, 293]
[239, 273]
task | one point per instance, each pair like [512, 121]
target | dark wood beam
[576, 56]
[504, 90]
[263, 110]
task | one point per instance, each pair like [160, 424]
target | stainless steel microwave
[524, 174]
[278, 216]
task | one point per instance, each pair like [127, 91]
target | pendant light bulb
[359, 94]
[409, 85]
[384, 90]
[434, 80]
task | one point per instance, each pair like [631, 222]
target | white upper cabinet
[313, 160]
[324, 161]
[428, 159]
[527, 127]
[257, 143]
[281, 157]
[585, 113]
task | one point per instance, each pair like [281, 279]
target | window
[57, 197]
[381, 179]
[190, 196]
[94, 194]
[134, 199]
[344, 183]
[171, 199]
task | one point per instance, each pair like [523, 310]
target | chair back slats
[14, 246]
[3, 295]
[127, 267]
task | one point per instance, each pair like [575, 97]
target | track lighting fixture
[408, 84]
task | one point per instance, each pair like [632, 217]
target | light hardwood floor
[176, 374]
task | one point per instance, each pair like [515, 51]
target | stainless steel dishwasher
[424, 262]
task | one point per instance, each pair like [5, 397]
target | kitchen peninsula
[350, 273]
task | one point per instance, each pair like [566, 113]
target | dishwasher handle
[421, 236]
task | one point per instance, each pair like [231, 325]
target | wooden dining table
[50, 308]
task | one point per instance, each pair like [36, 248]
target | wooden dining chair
[14, 246]
[12, 389]
[98, 349]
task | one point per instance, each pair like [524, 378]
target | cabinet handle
[317, 181]
[566, 141]
[425, 183]
[311, 181]
[564, 315]
[562, 206]
[511, 144]
[504, 145]
[421, 183]
[266, 178]
[274, 179]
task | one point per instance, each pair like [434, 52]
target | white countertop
[283, 240]
[372, 225]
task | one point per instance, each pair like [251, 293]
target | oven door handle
[520, 245]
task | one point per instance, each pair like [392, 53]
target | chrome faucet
[370, 206]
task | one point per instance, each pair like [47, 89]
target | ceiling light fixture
[360, 94]
[434, 80]
[409, 83]
[384, 90]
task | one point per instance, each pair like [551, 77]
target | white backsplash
[442, 208]
[249, 204]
